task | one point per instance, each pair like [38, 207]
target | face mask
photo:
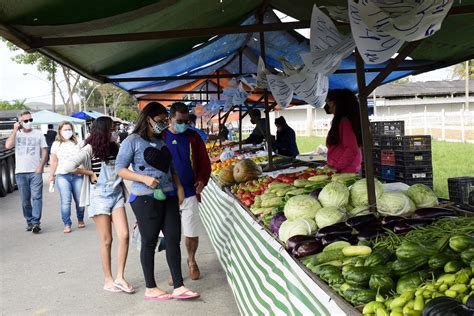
[28, 125]
[159, 127]
[66, 134]
[326, 109]
[180, 128]
[114, 137]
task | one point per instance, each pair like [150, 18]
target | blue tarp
[87, 115]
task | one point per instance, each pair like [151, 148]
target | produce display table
[264, 278]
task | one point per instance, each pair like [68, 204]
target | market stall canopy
[87, 115]
[48, 117]
[121, 41]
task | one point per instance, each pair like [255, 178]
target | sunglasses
[26, 121]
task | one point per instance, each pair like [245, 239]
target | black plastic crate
[377, 140]
[461, 190]
[406, 143]
[377, 156]
[377, 169]
[414, 172]
[404, 158]
[392, 128]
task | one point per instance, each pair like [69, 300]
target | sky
[18, 81]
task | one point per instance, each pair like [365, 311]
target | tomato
[240, 191]
[247, 202]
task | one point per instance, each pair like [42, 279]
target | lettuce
[422, 195]
[395, 203]
[334, 194]
[301, 206]
[359, 195]
[329, 215]
[300, 226]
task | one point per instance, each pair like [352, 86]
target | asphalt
[53, 273]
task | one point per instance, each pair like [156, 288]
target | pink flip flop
[186, 295]
[161, 297]
[112, 289]
[129, 290]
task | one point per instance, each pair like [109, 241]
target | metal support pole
[240, 127]
[267, 108]
[366, 136]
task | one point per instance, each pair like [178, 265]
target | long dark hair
[346, 106]
[151, 110]
[99, 138]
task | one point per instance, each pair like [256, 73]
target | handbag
[137, 240]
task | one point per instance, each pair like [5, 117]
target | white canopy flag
[328, 46]
[311, 87]
[412, 21]
[262, 73]
[375, 48]
[281, 91]
[240, 95]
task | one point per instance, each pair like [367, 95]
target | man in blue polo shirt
[191, 162]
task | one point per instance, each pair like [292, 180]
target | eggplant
[294, 241]
[408, 224]
[389, 222]
[308, 248]
[433, 212]
[339, 228]
[401, 227]
[328, 239]
[371, 233]
[361, 221]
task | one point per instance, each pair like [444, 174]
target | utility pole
[53, 87]
[466, 107]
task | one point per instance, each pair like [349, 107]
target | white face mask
[66, 134]
[28, 125]
[114, 137]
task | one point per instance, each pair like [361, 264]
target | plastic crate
[392, 128]
[406, 143]
[404, 158]
[461, 190]
[376, 156]
[388, 173]
[377, 169]
[387, 158]
[414, 172]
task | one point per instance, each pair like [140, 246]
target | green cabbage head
[359, 192]
[334, 194]
[329, 216]
[422, 195]
[301, 206]
[395, 203]
[300, 226]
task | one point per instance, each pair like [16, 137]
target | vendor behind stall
[259, 132]
[285, 144]
[192, 125]
[344, 138]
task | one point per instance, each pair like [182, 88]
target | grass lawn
[449, 160]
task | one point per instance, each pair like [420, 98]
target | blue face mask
[180, 128]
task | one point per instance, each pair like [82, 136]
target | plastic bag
[137, 240]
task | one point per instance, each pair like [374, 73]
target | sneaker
[36, 229]
[29, 228]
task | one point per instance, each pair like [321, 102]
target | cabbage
[301, 206]
[358, 211]
[344, 178]
[395, 203]
[422, 195]
[300, 226]
[334, 194]
[276, 222]
[359, 195]
[329, 215]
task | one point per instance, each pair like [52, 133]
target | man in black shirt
[50, 137]
[259, 132]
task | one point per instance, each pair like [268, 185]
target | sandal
[67, 230]
[186, 295]
[112, 289]
[162, 297]
[123, 288]
[81, 224]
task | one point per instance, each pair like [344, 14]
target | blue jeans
[30, 186]
[70, 184]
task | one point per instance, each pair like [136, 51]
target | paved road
[55, 273]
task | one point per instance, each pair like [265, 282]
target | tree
[459, 71]
[87, 91]
[15, 105]
[48, 66]
[403, 80]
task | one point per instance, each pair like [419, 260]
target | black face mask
[326, 109]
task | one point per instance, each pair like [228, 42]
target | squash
[246, 170]
[226, 175]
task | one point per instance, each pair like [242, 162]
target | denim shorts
[104, 200]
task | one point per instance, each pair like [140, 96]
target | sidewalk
[60, 274]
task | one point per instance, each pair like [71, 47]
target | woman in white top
[69, 184]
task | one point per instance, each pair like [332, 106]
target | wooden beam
[183, 77]
[39, 42]
[366, 136]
